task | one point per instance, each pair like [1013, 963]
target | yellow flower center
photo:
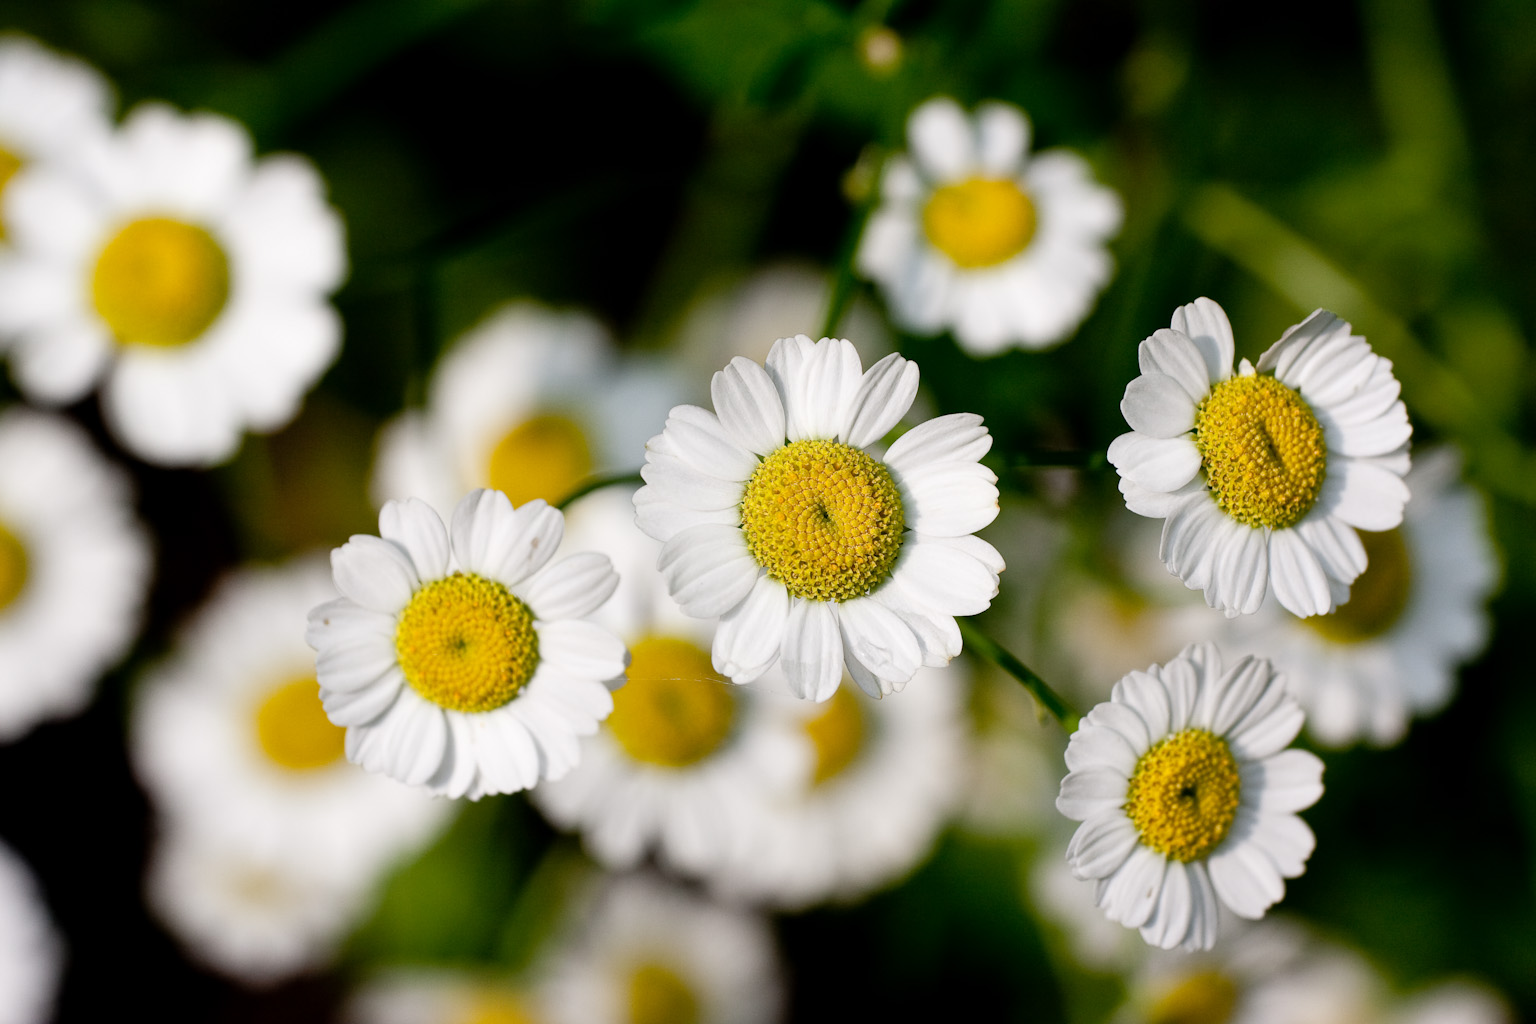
[13, 567]
[10, 163]
[1205, 997]
[1377, 597]
[658, 995]
[675, 710]
[1183, 794]
[493, 1007]
[292, 729]
[1262, 451]
[160, 282]
[980, 222]
[837, 735]
[466, 644]
[544, 456]
[824, 519]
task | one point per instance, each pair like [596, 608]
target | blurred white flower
[31, 951]
[461, 661]
[188, 279]
[421, 996]
[74, 568]
[975, 235]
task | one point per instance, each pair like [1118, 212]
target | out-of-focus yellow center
[980, 222]
[1378, 595]
[10, 163]
[1183, 795]
[824, 519]
[466, 644]
[837, 734]
[292, 729]
[160, 282]
[492, 1006]
[1262, 450]
[1205, 997]
[13, 567]
[674, 710]
[545, 456]
[659, 995]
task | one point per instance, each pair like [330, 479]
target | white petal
[1363, 494]
[1091, 792]
[375, 573]
[820, 390]
[885, 394]
[748, 405]
[60, 363]
[501, 543]
[1242, 568]
[662, 520]
[949, 580]
[1124, 720]
[1002, 138]
[571, 588]
[1158, 464]
[876, 638]
[749, 635]
[699, 439]
[1170, 920]
[957, 437]
[1148, 697]
[1236, 692]
[1284, 838]
[350, 663]
[1297, 576]
[1100, 845]
[1204, 910]
[407, 743]
[1188, 546]
[812, 655]
[1205, 323]
[1290, 781]
[1157, 405]
[414, 526]
[937, 634]
[1175, 355]
[584, 650]
[708, 569]
[1244, 879]
[940, 140]
[1096, 745]
[344, 617]
[675, 481]
[360, 707]
[1335, 544]
[1132, 893]
[949, 500]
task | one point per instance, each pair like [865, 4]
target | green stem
[1039, 688]
[597, 483]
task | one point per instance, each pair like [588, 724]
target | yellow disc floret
[824, 519]
[1183, 795]
[1204, 997]
[544, 456]
[292, 729]
[659, 995]
[980, 222]
[493, 1006]
[13, 567]
[1378, 595]
[837, 735]
[466, 644]
[675, 710]
[10, 163]
[160, 282]
[1262, 450]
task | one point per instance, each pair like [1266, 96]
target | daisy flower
[188, 279]
[778, 516]
[31, 952]
[1188, 796]
[531, 403]
[74, 568]
[439, 997]
[1262, 475]
[974, 235]
[229, 734]
[458, 659]
[686, 762]
[1415, 614]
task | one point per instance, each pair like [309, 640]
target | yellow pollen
[1378, 595]
[10, 163]
[466, 644]
[674, 710]
[494, 1007]
[837, 734]
[659, 995]
[980, 222]
[13, 567]
[292, 728]
[544, 456]
[1262, 451]
[824, 519]
[160, 282]
[1205, 997]
[1183, 794]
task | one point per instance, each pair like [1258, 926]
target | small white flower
[777, 517]
[1263, 476]
[74, 568]
[1188, 796]
[31, 952]
[973, 234]
[426, 996]
[459, 660]
[188, 279]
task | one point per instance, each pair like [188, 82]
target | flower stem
[597, 483]
[1039, 688]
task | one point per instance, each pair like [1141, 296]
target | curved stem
[1039, 688]
[597, 483]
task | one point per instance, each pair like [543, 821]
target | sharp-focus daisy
[646, 952]
[973, 234]
[31, 953]
[186, 277]
[49, 106]
[74, 568]
[229, 734]
[777, 516]
[1413, 616]
[530, 403]
[687, 761]
[1188, 796]
[1262, 477]
[459, 660]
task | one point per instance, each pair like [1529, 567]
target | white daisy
[459, 660]
[687, 761]
[439, 997]
[31, 952]
[815, 554]
[530, 403]
[646, 952]
[1188, 796]
[74, 568]
[1261, 476]
[229, 735]
[975, 235]
[1413, 616]
[188, 279]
